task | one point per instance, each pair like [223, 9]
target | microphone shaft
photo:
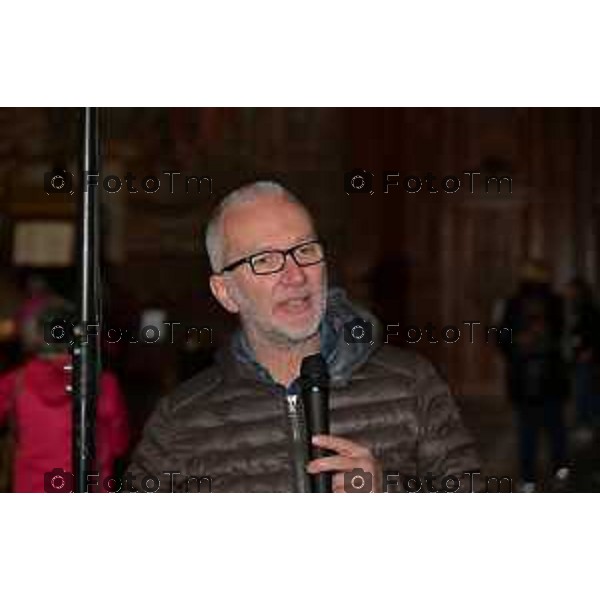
[316, 403]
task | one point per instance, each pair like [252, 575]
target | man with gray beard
[237, 422]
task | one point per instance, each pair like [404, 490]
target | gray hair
[246, 193]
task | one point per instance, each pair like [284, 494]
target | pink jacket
[34, 397]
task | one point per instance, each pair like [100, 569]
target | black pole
[86, 348]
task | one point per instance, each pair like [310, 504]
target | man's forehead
[266, 222]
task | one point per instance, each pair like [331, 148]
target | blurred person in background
[11, 298]
[37, 295]
[34, 402]
[583, 352]
[537, 379]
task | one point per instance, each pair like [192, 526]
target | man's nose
[292, 273]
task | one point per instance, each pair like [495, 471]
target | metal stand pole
[86, 349]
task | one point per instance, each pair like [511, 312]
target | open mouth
[296, 305]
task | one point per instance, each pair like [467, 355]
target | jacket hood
[357, 334]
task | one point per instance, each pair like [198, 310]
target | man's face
[284, 307]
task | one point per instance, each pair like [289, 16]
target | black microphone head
[314, 371]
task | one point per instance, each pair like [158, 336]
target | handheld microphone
[314, 379]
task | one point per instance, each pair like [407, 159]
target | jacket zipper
[295, 414]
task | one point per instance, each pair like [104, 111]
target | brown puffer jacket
[232, 424]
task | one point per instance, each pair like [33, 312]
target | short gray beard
[281, 338]
[276, 336]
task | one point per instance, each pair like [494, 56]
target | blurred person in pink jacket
[33, 399]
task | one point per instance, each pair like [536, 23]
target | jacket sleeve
[167, 453]
[445, 447]
[112, 418]
[155, 459]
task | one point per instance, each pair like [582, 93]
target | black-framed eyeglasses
[273, 261]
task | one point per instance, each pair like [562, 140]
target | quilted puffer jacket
[234, 424]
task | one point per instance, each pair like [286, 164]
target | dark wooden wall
[414, 258]
[458, 253]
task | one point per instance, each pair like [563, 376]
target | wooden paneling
[414, 258]
[463, 251]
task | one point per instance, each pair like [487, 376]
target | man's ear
[219, 288]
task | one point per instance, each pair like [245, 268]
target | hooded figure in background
[34, 402]
[537, 377]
